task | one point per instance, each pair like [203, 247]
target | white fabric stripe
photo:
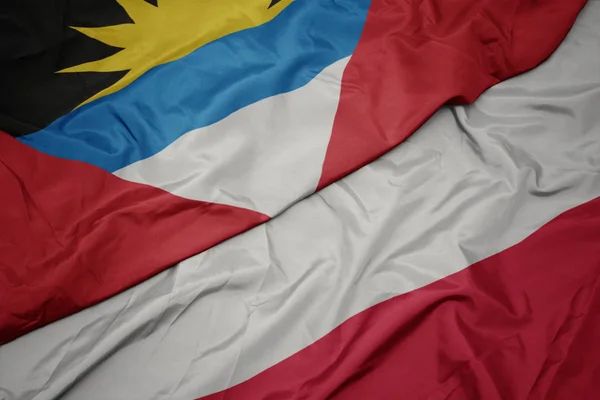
[470, 183]
[249, 158]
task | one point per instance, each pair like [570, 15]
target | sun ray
[137, 10]
[121, 36]
[124, 81]
[116, 62]
[170, 31]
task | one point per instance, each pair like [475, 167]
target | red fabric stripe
[415, 56]
[520, 324]
[73, 235]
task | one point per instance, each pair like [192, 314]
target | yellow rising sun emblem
[170, 31]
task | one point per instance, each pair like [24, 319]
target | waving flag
[220, 117]
[210, 120]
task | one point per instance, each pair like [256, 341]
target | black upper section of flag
[36, 41]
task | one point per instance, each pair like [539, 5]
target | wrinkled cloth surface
[472, 182]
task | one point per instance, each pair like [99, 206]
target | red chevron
[73, 235]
